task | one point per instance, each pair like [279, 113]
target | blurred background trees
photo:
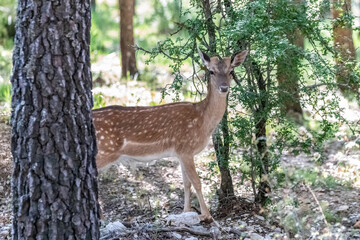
[345, 54]
[128, 60]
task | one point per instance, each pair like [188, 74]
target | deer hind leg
[187, 190]
[190, 171]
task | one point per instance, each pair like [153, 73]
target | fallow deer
[179, 130]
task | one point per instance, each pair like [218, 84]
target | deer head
[221, 70]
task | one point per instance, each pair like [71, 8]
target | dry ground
[149, 193]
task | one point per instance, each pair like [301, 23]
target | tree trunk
[55, 193]
[221, 141]
[288, 79]
[260, 125]
[93, 5]
[288, 75]
[128, 60]
[222, 148]
[343, 41]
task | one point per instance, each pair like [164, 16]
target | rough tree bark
[128, 60]
[288, 74]
[221, 135]
[260, 125]
[55, 193]
[288, 79]
[343, 41]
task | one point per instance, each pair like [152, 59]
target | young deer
[179, 130]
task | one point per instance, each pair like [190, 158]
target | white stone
[4, 233]
[188, 218]
[215, 232]
[176, 235]
[115, 227]
[342, 208]
[242, 223]
[260, 217]
[255, 236]
[191, 238]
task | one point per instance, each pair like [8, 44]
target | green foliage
[5, 102]
[149, 78]
[98, 101]
[331, 217]
[5, 93]
[7, 23]
[105, 31]
[5, 63]
[266, 29]
[311, 177]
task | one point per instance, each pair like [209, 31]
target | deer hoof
[206, 218]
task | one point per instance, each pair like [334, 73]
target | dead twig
[317, 202]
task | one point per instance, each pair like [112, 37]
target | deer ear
[239, 59]
[204, 58]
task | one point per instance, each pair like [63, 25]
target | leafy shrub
[98, 100]
[5, 93]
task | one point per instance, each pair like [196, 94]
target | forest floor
[309, 200]
[316, 202]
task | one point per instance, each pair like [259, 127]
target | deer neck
[213, 107]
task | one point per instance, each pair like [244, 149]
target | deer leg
[190, 171]
[187, 190]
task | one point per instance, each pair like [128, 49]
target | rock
[351, 145]
[4, 233]
[115, 227]
[342, 208]
[199, 228]
[242, 224]
[215, 232]
[255, 236]
[260, 217]
[191, 238]
[250, 228]
[176, 235]
[188, 218]
[268, 236]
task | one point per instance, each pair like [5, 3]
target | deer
[181, 129]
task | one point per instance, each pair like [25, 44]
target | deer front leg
[187, 190]
[190, 171]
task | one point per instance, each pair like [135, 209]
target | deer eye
[211, 72]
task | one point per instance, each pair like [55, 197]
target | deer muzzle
[224, 88]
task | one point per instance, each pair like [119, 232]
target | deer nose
[224, 89]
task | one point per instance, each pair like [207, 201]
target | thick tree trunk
[220, 139]
[53, 144]
[288, 79]
[93, 5]
[288, 75]
[344, 44]
[128, 60]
